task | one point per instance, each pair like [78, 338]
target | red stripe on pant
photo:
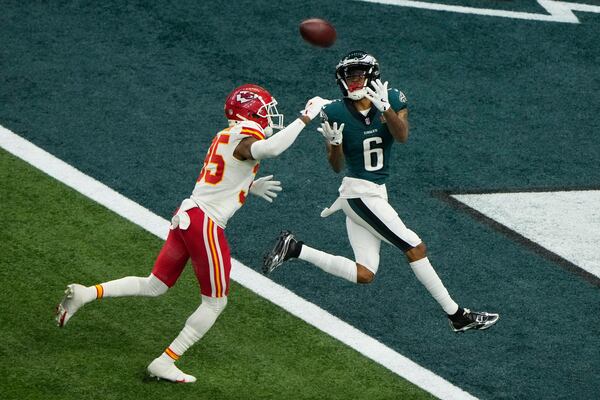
[182, 245]
[215, 258]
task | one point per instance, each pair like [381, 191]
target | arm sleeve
[278, 143]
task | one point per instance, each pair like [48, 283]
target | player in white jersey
[221, 191]
[197, 228]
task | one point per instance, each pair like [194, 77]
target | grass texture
[54, 236]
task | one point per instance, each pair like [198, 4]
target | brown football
[318, 32]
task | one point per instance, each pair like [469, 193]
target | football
[318, 32]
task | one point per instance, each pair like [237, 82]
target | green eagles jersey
[367, 141]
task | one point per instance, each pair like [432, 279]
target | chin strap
[357, 94]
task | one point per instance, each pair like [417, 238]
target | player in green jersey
[360, 130]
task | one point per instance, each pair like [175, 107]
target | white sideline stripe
[560, 11]
[247, 277]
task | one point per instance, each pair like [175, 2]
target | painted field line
[536, 215]
[247, 277]
[558, 11]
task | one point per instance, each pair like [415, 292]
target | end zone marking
[560, 11]
[562, 225]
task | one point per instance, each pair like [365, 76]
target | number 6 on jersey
[373, 155]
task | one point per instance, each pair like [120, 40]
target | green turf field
[255, 351]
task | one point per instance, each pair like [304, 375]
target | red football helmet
[254, 103]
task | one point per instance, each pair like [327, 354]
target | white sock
[149, 286]
[428, 277]
[89, 294]
[195, 327]
[334, 265]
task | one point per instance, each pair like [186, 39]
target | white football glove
[332, 134]
[266, 188]
[378, 95]
[313, 107]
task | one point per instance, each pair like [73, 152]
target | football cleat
[472, 320]
[71, 302]
[166, 370]
[285, 247]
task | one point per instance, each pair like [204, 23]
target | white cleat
[69, 304]
[160, 369]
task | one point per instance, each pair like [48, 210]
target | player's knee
[205, 315]
[417, 253]
[153, 287]
[215, 304]
[363, 274]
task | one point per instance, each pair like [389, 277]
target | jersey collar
[365, 119]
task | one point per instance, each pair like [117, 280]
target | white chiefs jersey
[224, 181]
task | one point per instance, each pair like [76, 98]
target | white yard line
[559, 11]
[247, 277]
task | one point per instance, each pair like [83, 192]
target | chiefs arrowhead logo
[245, 96]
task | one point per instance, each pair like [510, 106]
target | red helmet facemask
[253, 103]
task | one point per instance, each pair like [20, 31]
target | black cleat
[472, 320]
[285, 248]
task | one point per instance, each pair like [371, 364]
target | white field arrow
[566, 223]
[559, 11]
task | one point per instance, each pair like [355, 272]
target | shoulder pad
[249, 128]
[397, 99]
[399, 94]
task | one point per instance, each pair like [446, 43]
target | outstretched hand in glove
[332, 133]
[378, 95]
[266, 188]
[313, 107]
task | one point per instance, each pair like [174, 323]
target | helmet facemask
[269, 111]
[355, 80]
[355, 65]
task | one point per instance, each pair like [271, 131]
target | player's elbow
[269, 154]
[262, 151]
[401, 136]
[363, 274]
[336, 166]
